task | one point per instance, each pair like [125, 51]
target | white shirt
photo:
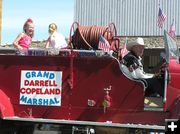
[57, 41]
[137, 73]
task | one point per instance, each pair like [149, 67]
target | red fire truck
[83, 90]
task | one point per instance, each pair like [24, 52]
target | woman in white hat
[135, 68]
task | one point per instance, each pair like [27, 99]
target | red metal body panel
[173, 91]
[6, 108]
[90, 76]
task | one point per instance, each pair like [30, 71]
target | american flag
[161, 18]
[104, 44]
[124, 51]
[172, 30]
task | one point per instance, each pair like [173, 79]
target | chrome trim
[165, 84]
[149, 108]
[86, 123]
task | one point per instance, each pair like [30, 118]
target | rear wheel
[25, 129]
[13, 127]
[6, 127]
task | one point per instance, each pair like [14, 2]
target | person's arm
[16, 44]
[47, 43]
[135, 68]
[140, 74]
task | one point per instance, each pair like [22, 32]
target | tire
[13, 127]
[25, 129]
[7, 127]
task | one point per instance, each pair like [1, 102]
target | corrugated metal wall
[131, 17]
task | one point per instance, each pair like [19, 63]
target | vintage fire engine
[84, 88]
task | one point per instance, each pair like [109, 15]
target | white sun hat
[138, 41]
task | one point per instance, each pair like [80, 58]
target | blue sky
[43, 12]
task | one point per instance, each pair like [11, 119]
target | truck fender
[175, 109]
[6, 108]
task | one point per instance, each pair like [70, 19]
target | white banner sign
[41, 88]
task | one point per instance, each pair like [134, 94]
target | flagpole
[174, 27]
[124, 51]
[158, 3]
[172, 30]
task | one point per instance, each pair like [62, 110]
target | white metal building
[131, 17]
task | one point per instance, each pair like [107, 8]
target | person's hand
[158, 75]
[20, 48]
